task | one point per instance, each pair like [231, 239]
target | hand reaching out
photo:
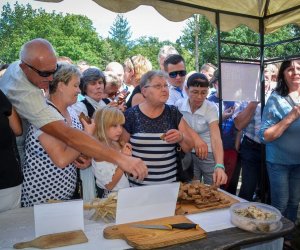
[219, 177]
[88, 127]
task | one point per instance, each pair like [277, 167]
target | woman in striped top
[153, 128]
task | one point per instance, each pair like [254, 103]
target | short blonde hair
[105, 118]
[139, 64]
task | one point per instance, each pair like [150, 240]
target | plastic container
[255, 217]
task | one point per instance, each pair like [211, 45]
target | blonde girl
[109, 126]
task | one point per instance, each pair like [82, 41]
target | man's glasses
[41, 73]
[157, 86]
[181, 73]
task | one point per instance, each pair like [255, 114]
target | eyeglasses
[41, 73]
[157, 86]
[174, 74]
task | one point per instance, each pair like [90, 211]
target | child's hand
[127, 149]
[88, 128]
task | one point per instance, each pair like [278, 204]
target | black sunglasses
[181, 73]
[41, 73]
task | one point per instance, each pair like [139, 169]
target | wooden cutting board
[141, 238]
[190, 208]
[55, 240]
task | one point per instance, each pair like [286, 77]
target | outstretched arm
[89, 146]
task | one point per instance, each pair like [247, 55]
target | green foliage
[71, 35]
[282, 50]
[242, 34]
[120, 30]
[119, 39]
[74, 36]
[207, 42]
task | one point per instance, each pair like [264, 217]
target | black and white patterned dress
[42, 179]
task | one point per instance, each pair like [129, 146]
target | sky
[144, 21]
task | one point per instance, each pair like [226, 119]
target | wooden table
[234, 238]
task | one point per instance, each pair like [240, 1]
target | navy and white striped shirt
[158, 155]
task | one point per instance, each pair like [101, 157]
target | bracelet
[219, 165]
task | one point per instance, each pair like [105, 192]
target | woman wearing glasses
[134, 68]
[153, 128]
[48, 169]
[202, 116]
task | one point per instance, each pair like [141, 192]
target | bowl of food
[255, 217]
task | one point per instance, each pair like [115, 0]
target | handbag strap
[290, 100]
[178, 147]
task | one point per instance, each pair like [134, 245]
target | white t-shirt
[200, 119]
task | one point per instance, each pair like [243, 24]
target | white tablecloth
[18, 225]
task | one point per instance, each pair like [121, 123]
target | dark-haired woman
[92, 85]
[280, 132]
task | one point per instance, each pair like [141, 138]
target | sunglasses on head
[41, 73]
[181, 73]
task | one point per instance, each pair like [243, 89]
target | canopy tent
[261, 16]
[274, 13]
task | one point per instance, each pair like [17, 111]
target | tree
[119, 38]
[120, 30]
[283, 50]
[241, 34]
[206, 42]
[71, 35]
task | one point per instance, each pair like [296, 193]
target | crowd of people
[138, 116]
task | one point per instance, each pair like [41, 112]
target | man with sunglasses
[175, 67]
[22, 83]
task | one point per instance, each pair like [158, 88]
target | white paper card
[146, 202]
[240, 82]
[59, 217]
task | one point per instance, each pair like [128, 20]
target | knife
[183, 226]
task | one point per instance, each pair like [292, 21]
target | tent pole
[220, 72]
[264, 177]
